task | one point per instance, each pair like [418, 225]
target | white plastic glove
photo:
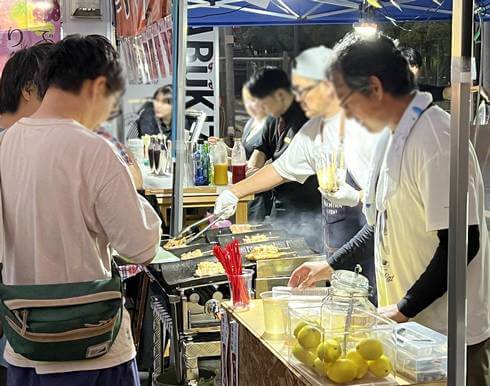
[226, 202]
[345, 196]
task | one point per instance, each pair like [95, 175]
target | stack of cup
[135, 146]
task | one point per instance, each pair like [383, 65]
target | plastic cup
[330, 168]
[241, 289]
[275, 305]
[136, 146]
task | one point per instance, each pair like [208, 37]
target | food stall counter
[263, 362]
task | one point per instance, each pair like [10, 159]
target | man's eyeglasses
[299, 93]
[344, 100]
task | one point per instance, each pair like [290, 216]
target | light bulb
[365, 28]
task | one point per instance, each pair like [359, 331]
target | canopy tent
[282, 12]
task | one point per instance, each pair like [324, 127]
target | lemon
[342, 371]
[304, 356]
[310, 359]
[362, 365]
[380, 367]
[298, 328]
[309, 337]
[329, 350]
[370, 349]
[319, 367]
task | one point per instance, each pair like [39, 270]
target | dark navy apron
[340, 225]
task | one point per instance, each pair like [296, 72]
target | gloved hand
[226, 202]
[345, 196]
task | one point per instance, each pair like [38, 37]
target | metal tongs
[186, 232]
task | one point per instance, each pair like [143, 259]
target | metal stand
[460, 121]
[179, 15]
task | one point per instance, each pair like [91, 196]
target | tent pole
[462, 38]
[230, 84]
[179, 14]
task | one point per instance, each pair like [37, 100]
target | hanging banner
[148, 55]
[133, 16]
[24, 23]
[165, 30]
[148, 59]
[202, 81]
[159, 49]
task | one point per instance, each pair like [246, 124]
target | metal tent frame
[239, 12]
[347, 11]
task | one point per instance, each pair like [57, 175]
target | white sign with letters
[202, 80]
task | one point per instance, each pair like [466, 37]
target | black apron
[340, 225]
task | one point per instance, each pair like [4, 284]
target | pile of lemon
[326, 358]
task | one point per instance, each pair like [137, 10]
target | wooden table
[265, 363]
[199, 197]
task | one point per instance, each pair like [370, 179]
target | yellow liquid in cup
[327, 178]
[274, 317]
[220, 174]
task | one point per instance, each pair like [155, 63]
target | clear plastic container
[238, 161]
[314, 294]
[330, 167]
[207, 149]
[421, 353]
[136, 146]
[201, 166]
[368, 326]
[163, 160]
[345, 331]
[220, 161]
[151, 153]
[275, 307]
[189, 163]
[169, 163]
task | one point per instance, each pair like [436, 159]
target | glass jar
[348, 294]
[338, 343]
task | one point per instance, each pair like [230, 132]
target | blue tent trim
[304, 12]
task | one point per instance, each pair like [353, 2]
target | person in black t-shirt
[261, 205]
[155, 117]
[439, 93]
[414, 59]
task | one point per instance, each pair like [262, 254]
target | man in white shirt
[317, 98]
[67, 199]
[407, 198]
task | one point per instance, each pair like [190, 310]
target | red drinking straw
[231, 260]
